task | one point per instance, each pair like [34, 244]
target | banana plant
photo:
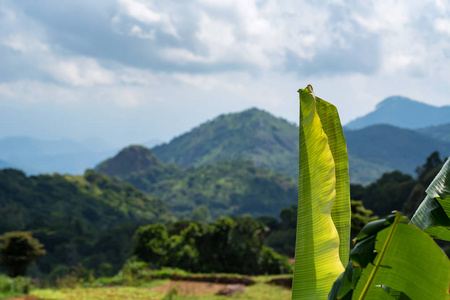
[323, 222]
[391, 259]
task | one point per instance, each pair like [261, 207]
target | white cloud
[79, 72]
[137, 31]
[230, 54]
[142, 11]
[443, 25]
[25, 44]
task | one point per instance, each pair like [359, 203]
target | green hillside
[132, 159]
[226, 188]
[253, 135]
[76, 217]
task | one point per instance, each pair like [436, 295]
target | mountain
[130, 159]
[252, 135]
[35, 156]
[392, 148]
[439, 132]
[232, 187]
[403, 112]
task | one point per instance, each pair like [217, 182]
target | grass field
[165, 290]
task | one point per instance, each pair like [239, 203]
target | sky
[129, 71]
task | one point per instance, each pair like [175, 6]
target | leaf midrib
[380, 257]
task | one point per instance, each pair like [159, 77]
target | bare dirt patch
[24, 298]
[189, 288]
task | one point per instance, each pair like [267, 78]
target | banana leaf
[341, 211]
[407, 264]
[323, 199]
[433, 214]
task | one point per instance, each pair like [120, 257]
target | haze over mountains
[35, 156]
[267, 141]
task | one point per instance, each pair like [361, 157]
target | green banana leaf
[341, 211]
[433, 214]
[323, 192]
[403, 263]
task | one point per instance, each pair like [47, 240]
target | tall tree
[18, 249]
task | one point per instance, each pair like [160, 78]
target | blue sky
[128, 71]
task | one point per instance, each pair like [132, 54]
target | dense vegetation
[281, 232]
[90, 220]
[80, 219]
[229, 245]
[225, 188]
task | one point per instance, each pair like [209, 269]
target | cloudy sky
[129, 71]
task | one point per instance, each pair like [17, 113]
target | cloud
[204, 36]
[213, 56]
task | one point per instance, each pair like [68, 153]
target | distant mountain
[226, 188]
[252, 135]
[403, 112]
[439, 132]
[392, 148]
[35, 156]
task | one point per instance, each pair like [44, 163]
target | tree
[201, 214]
[433, 161]
[425, 175]
[152, 243]
[18, 249]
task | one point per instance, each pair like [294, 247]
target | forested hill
[253, 135]
[226, 188]
[76, 216]
[97, 201]
[132, 159]
[272, 142]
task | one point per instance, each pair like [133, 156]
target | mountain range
[272, 143]
[267, 141]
